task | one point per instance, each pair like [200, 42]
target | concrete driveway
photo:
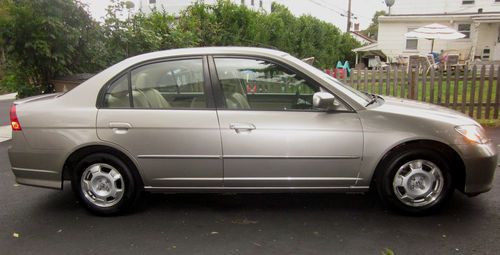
[42, 221]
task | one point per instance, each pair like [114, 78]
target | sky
[327, 10]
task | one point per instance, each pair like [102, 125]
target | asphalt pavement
[43, 221]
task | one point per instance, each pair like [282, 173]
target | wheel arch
[86, 150]
[457, 165]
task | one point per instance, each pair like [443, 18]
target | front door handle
[242, 127]
[120, 127]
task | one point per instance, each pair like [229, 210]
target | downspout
[475, 26]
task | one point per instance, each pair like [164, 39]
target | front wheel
[415, 180]
[105, 184]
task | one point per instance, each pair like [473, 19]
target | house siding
[412, 14]
[402, 7]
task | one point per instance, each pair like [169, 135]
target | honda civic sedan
[236, 119]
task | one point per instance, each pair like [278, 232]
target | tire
[105, 184]
[414, 180]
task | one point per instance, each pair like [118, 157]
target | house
[360, 37]
[176, 6]
[479, 20]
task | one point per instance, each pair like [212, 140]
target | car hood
[423, 110]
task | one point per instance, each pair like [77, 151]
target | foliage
[49, 38]
[43, 39]
[372, 30]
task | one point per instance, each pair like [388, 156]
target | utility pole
[349, 17]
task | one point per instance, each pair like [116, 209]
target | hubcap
[102, 185]
[418, 183]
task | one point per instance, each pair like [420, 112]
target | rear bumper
[480, 162]
[34, 167]
[37, 177]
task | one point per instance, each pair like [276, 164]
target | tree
[45, 39]
[372, 30]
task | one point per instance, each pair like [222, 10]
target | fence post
[423, 95]
[395, 91]
[472, 91]
[448, 87]
[388, 81]
[455, 88]
[465, 84]
[480, 94]
[497, 100]
[412, 82]
[490, 91]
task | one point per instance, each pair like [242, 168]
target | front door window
[254, 84]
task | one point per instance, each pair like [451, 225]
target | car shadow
[262, 203]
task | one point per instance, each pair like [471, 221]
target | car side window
[117, 95]
[262, 85]
[171, 84]
[176, 84]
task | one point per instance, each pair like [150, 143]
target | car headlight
[472, 133]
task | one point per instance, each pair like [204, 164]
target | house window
[252, 2]
[464, 29]
[152, 1]
[243, 2]
[469, 1]
[411, 43]
[260, 3]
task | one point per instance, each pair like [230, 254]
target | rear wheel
[415, 180]
[105, 184]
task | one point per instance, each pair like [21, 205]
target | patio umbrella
[435, 31]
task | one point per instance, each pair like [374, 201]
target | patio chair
[431, 63]
[451, 62]
[400, 60]
[379, 64]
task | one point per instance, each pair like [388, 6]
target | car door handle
[242, 127]
[120, 125]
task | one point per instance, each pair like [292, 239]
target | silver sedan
[234, 119]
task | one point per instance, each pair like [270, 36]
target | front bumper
[480, 162]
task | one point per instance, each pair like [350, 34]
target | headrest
[143, 81]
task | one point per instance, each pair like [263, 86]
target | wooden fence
[474, 90]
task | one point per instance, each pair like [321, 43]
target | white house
[360, 37]
[479, 20]
[175, 6]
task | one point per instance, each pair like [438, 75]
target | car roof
[210, 51]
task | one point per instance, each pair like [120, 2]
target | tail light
[14, 121]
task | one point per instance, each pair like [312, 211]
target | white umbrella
[435, 31]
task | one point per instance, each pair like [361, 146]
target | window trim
[409, 29]
[207, 86]
[467, 31]
[219, 95]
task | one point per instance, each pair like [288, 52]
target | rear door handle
[120, 127]
[242, 127]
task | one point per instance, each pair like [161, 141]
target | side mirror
[324, 100]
